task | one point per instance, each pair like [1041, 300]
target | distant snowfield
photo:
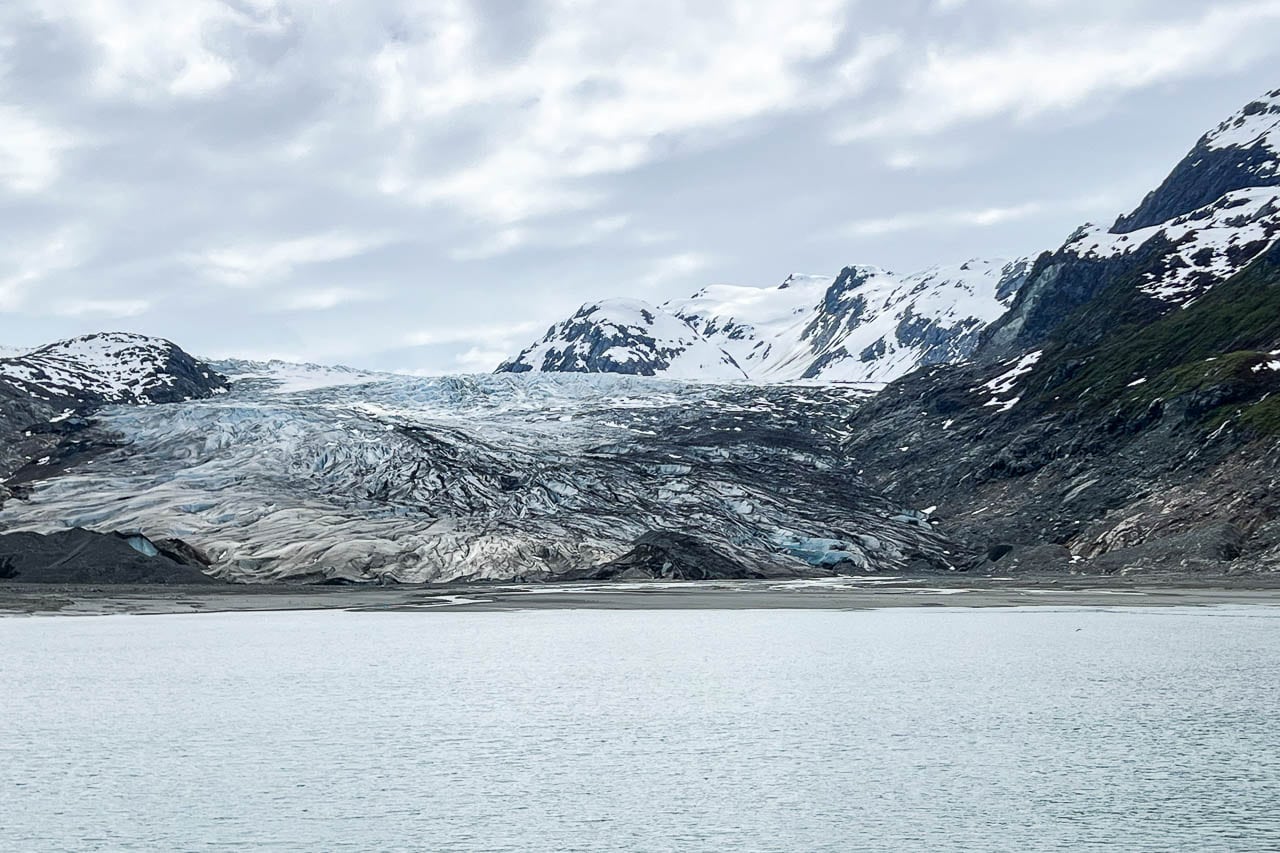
[866, 326]
[283, 377]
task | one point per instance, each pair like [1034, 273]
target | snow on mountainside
[868, 326]
[874, 327]
[110, 367]
[1205, 246]
[1219, 208]
[1216, 213]
[759, 327]
[1241, 152]
[1255, 126]
[626, 336]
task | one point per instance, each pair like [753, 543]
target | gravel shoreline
[18, 599]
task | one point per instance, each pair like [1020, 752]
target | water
[932, 729]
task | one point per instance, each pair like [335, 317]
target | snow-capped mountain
[874, 327]
[1123, 414]
[760, 328]
[1216, 212]
[110, 367]
[866, 326]
[626, 336]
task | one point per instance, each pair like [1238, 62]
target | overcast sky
[427, 186]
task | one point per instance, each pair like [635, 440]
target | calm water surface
[947, 729]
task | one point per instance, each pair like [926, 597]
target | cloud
[324, 299]
[251, 265]
[497, 343]
[34, 260]
[460, 334]
[606, 90]
[102, 308]
[575, 234]
[30, 151]
[1058, 68]
[480, 359]
[671, 268]
[981, 217]
[492, 245]
[187, 49]
[978, 218]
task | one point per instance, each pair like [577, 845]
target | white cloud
[978, 218]
[101, 307]
[508, 239]
[1057, 68]
[492, 245]
[480, 359]
[30, 151]
[607, 88]
[32, 262]
[324, 298]
[496, 343]
[674, 268]
[462, 334]
[146, 47]
[254, 264]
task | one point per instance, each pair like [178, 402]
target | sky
[427, 186]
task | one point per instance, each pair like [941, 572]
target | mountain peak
[111, 367]
[627, 336]
[1241, 153]
[1258, 123]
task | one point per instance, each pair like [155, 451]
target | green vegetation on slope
[1208, 354]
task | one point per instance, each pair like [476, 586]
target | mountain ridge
[866, 326]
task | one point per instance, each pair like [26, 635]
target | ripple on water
[1033, 729]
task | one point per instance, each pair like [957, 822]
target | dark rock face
[80, 556]
[1210, 172]
[671, 555]
[1212, 216]
[1059, 285]
[625, 337]
[1139, 443]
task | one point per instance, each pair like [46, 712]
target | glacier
[311, 477]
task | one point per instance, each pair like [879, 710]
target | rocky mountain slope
[1123, 415]
[626, 336]
[1216, 212]
[111, 367]
[866, 326]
